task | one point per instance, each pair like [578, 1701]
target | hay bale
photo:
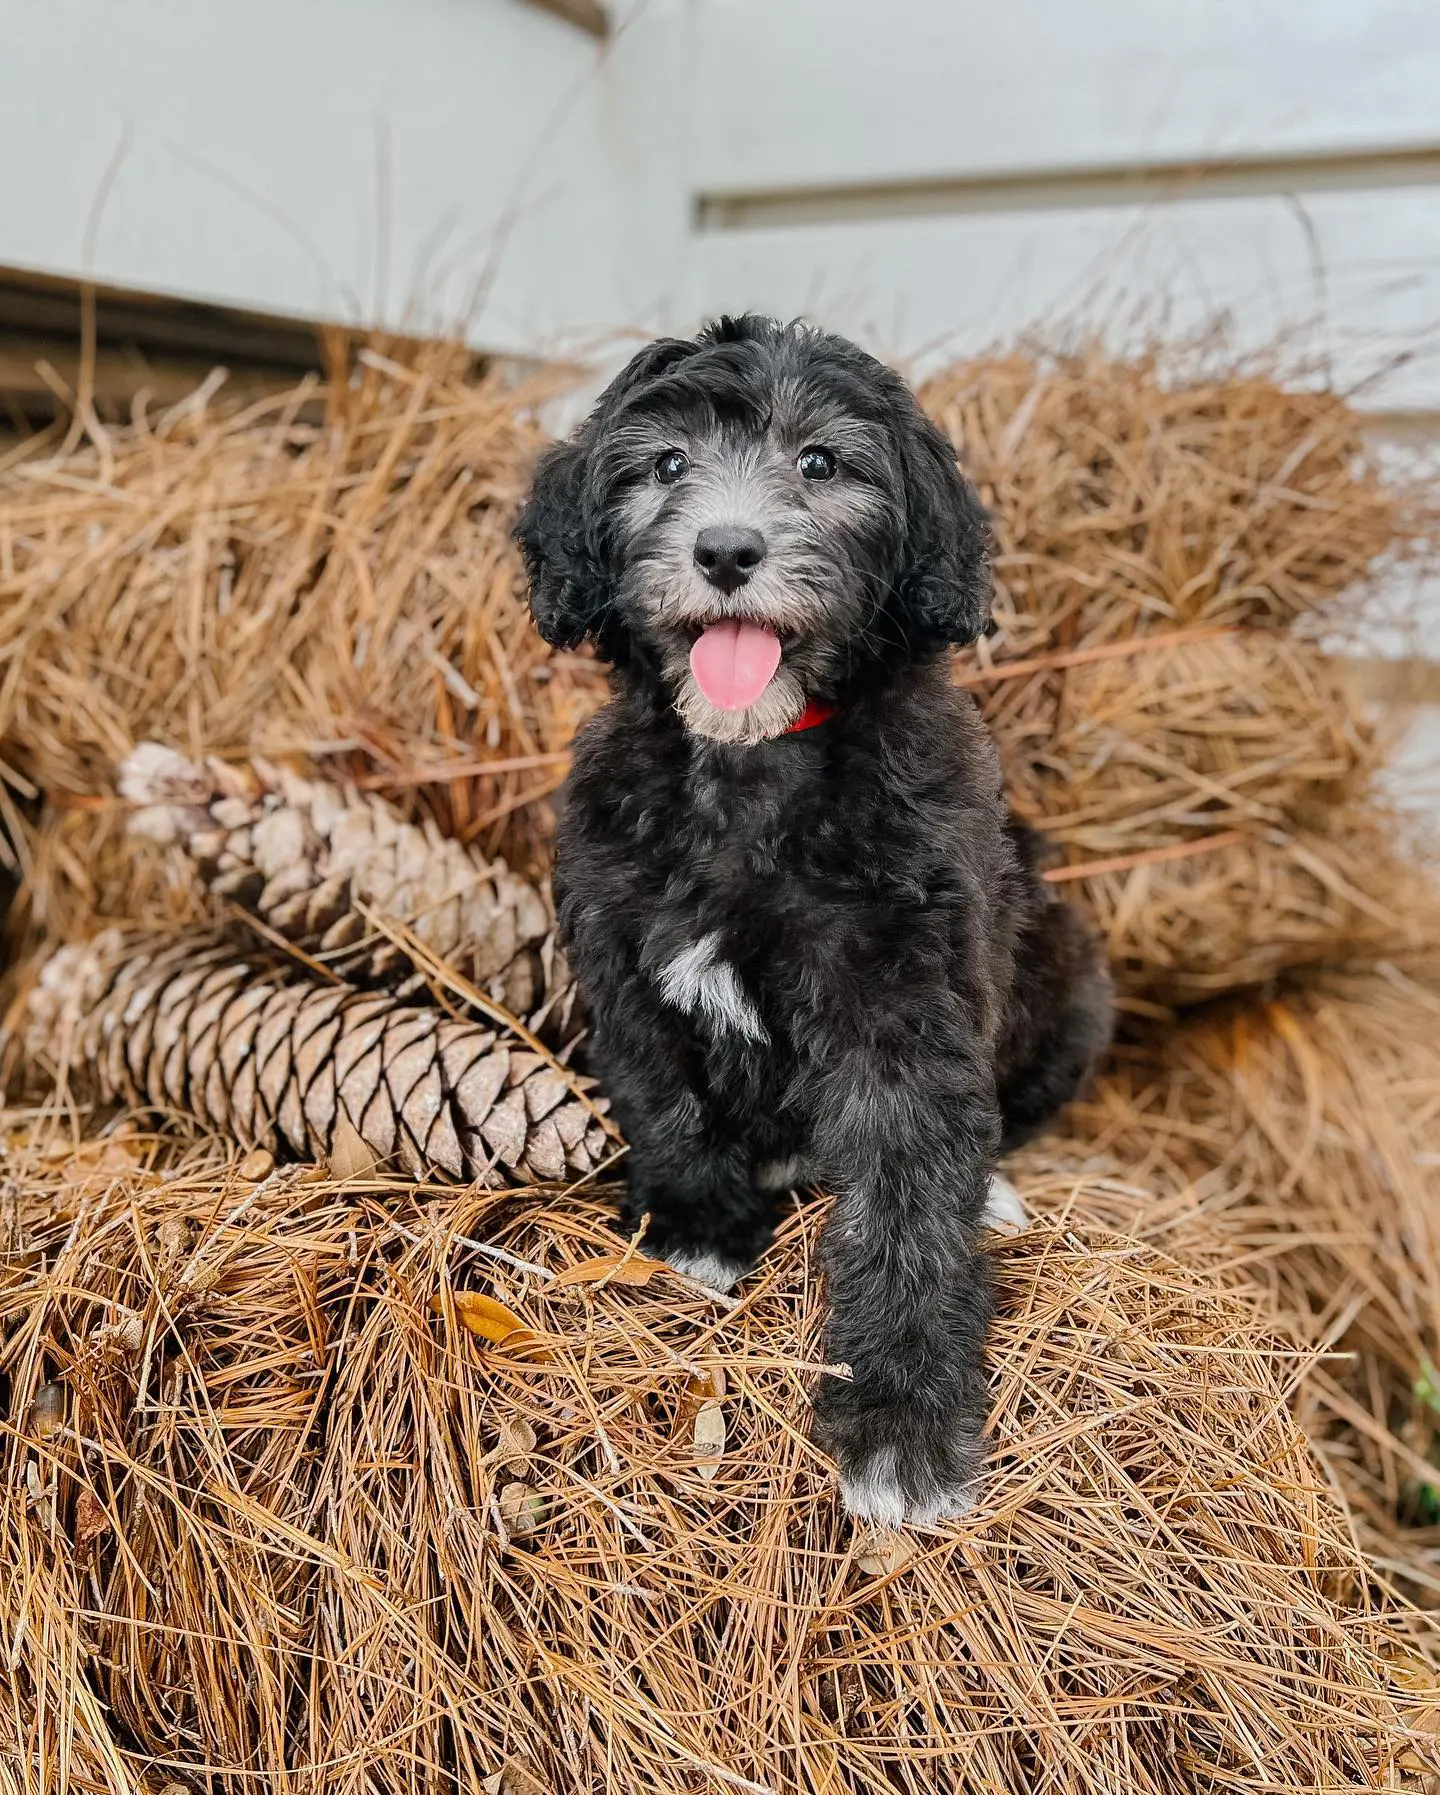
[311, 1520]
[230, 582]
[1144, 494]
[1180, 739]
[1248, 908]
[1297, 1141]
[1161, 532]
[1304, 1134]
[293, 1516]
[1209, 798]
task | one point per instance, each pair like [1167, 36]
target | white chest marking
[698, 982]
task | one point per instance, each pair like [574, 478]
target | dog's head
[760, 517]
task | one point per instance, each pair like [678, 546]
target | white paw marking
[875, 1495]
[1005, 1210]
[709, 1269]
[698, 981]
[943, 1505]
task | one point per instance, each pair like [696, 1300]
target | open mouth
[734, 661]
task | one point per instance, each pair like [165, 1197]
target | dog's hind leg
[1059, 1022]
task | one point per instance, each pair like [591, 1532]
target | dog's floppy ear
[568, 586]
[561, 530]
[945, 584]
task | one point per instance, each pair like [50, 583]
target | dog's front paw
[712, 1270]
[902, 1462]
[873, 1491]
[1005, 1210]
[700, 1260]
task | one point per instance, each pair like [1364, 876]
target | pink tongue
[734, 662]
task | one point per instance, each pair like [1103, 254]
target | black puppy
[814, 944]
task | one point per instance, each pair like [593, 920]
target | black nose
[727, 555]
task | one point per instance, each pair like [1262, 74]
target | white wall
[1330, 241]
[813, 94]
[837, 89]
[356, 158]
[1351, 279]
[330, 158]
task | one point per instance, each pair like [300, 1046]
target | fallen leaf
[91, 1521]
[41, 1494]
[514, 1779]
[106, 1157]
[521, 1509]
[117, 1154]
[483, 1316]
[701, 1387]
[881, 1551]
[610, 1268]
[1413, 1672]
[110, 1153]
[709, 1437]
[349, 1156]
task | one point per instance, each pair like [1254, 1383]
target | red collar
[817, 711]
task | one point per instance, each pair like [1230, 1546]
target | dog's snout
[727, 555]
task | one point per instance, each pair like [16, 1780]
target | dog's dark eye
[816, 464]
[671, 465]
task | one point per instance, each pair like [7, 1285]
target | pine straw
[1184, 930]
[1160, 531]
[1211, 797]
[285, 1460]
[237, 581]
[1297, 1143]
[1148, 495]
[234, 582]
[1181, 738]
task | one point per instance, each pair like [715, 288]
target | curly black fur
[825, 955]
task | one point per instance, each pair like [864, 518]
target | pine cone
[302, 853]
[182, 1025]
